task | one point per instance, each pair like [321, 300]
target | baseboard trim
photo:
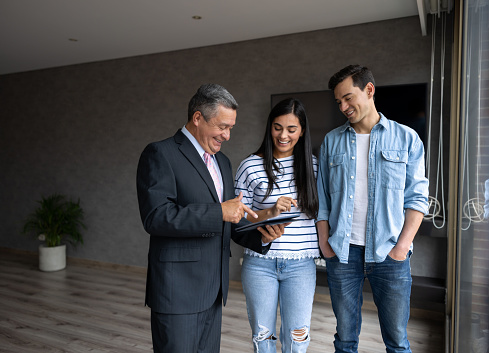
[32, 255]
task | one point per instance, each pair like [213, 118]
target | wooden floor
[93, 307]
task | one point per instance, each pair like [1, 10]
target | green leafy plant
[56, 219]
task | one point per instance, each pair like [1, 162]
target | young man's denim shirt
[396, 181]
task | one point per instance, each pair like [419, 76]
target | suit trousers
[188, 333]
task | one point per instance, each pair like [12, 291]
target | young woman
[280, 178]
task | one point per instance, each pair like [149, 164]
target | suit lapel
[189, 151]
[227, 177]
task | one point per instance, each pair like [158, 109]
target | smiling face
[357, 105]
[212, 133]
[286, 131]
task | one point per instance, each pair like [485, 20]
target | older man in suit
[187, 205]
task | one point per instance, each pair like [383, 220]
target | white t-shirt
[360, 203]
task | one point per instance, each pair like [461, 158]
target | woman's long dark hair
[303, 167]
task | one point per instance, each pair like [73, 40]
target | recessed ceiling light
[197, 17]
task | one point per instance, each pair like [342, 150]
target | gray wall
[79, 129]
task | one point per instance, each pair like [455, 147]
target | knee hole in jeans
[300, 335]
[264, 334]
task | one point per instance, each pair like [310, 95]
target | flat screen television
[406, 104]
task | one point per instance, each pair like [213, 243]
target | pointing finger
[249, 211]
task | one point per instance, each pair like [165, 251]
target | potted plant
[54, 221]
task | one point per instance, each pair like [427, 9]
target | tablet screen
[271, 221]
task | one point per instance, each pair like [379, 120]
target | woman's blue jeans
[391, 288]
[285, 282]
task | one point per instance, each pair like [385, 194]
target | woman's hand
[283, 204]
[270, 233]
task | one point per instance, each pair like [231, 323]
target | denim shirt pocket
[336, 172]
[393, 170]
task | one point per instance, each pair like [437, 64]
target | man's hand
[323, 236]
[233, 210]
[398, 254]
[412, 221]
[326, 249]
[270, 233]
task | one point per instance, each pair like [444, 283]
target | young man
[187, 205]
[373, 194]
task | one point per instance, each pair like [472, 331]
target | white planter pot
[52, 258]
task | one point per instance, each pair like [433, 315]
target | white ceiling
[38, 34]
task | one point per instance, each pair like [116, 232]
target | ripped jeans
[285, 282]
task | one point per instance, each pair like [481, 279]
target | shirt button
[349, 216]
[352, 141]
[351, 196]
[352, 177]
[353, 157]
[331, 163]
[347, 234]
[397, 158]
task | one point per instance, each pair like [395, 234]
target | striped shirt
[300, 238]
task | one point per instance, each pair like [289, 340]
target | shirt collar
[194, 141]
[383, 122]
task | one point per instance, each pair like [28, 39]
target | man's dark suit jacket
[188, 261]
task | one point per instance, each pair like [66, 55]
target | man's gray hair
[207, 100]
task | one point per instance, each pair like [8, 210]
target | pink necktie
[213, 171]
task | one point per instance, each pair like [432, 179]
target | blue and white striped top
[300, 238]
